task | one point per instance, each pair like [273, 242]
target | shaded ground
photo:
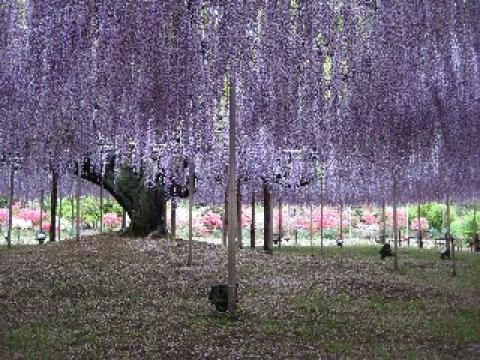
[110, 297]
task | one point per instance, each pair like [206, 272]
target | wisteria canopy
[380, 97]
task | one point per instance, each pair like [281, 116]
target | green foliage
[89, 208]
[433, 213]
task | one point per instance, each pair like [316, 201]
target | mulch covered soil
[113, 297]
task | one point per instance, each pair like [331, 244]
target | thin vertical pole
[395, 227]
[239, 216]
[447, 238]
[419, 229]
[77, 196]
[232, 216]
[124, 219]
[311, 225]
[53, 208]
[321, 214]
[191, 180]
[252, 225]
[407, 235]
[280, 222]
[450, 239]
[267, 220]
[225, 219]
[383, 230]
[101, 205]
[474, 218]
[10, 206]
[341, 221]
[350, 223]
[59, 217]
[40, 225]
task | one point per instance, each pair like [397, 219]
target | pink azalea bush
[31, 215]
[423, 224]
[211, 221]
[401, 217]
[369, 218]
[111, 219]
[46, 226]
[3, 216]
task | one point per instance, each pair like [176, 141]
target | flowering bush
[369, 218]
[3, 216]
[46, 226]
[423, 224]
[31, 214]
[401, 217]
[111, 219]
[211, 221]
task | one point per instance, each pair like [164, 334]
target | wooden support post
[191, 189]
[173, 219]
[311, 225]
[321, 214]
[280, 222]
[383, 229]
[53, 208]
[450, 239]
[10, 206]
[77, 196]
[407, 235]
[124, 219]
[239, 216]
[395, 227]
[225, 220]
[232, 215]
[59, 218]
[101, 206]
[267, 220]
[252, 225]
[350, 223]
[341, 221]
[40, 225]
[419, 228]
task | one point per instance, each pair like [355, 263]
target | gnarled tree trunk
[146, 207]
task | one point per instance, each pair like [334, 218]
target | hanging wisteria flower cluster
[344, 101]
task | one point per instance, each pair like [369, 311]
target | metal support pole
[232, 211]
